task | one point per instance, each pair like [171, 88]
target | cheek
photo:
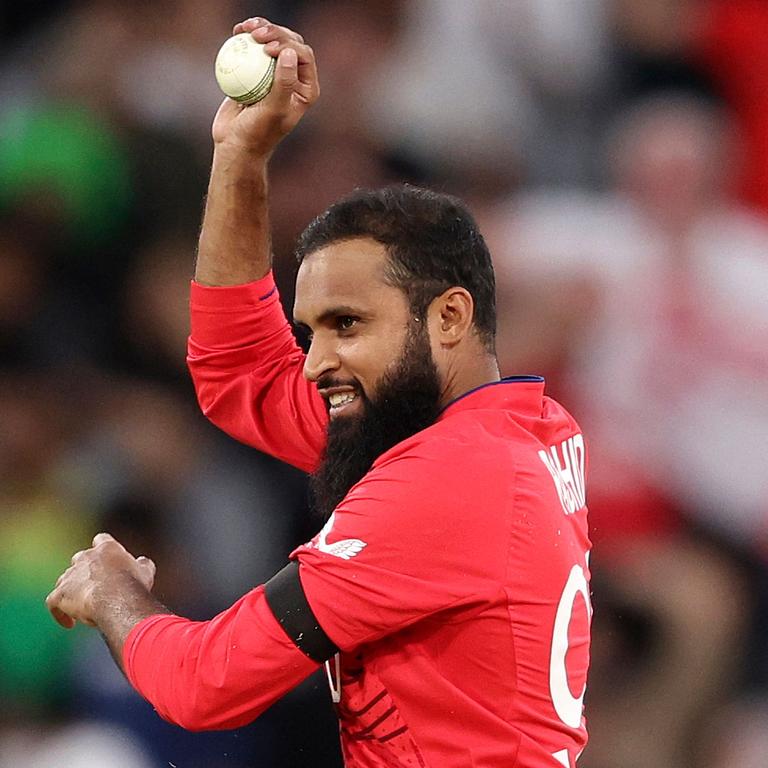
[367, 359]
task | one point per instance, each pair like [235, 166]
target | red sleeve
[215, 674]
[247, 372]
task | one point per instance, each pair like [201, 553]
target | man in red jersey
[447, 592]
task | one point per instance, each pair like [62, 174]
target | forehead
[348, 273]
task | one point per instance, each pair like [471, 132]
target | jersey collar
[518, 393]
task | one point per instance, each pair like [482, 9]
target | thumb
[147, 569]
[286, 74]
[101, 538]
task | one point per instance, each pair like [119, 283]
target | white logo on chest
[345, 549]
[565, 462]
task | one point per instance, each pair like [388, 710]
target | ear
[450, 316]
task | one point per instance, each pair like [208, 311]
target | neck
[470, 375]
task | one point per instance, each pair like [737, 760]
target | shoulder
[432, 502]
[445, 467]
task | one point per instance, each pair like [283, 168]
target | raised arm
[235, 244]
[244, 361]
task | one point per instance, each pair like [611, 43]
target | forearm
[235, 242]
[118, 606]
[215, 674]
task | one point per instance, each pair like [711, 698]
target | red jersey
[453, 577]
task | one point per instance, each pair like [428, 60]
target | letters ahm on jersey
[565, 462]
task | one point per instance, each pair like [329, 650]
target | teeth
[341, 398]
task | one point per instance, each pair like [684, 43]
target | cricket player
[447, 591]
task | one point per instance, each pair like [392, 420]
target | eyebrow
[337, 311]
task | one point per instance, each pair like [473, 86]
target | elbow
[208, 379]
[190, 718]
[189, 722]
[210, 400]
[197, 722]
[203, 713]
[204, 390]
[218, 674]
[206, 399]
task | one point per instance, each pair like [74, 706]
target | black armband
[287, 601]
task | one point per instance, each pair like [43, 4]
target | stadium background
[616, 156]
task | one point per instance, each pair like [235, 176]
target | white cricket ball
[243, 70]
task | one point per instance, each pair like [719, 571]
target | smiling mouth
[341, 401]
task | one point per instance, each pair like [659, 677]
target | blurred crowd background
[616, 155]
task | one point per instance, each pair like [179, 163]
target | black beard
[407, 400]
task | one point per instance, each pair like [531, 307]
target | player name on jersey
[565, 462]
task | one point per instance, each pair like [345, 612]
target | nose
[321, 358]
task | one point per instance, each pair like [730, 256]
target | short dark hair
[432, 241]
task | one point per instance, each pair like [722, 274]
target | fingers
[62, 619]
[77, 556]
[301, 76]
[267, 33]
[52, 603]
[146, 567]
[98, 540]
[106, 540]
[103, 566]
[286, 72]
[276, 39]
[262, 28]
[249, 25]
[305, 54]
[146, 564]
[263, 125]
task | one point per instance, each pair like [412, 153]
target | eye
[346, 322]
[304, 333]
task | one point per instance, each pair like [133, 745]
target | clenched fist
[97, 578]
